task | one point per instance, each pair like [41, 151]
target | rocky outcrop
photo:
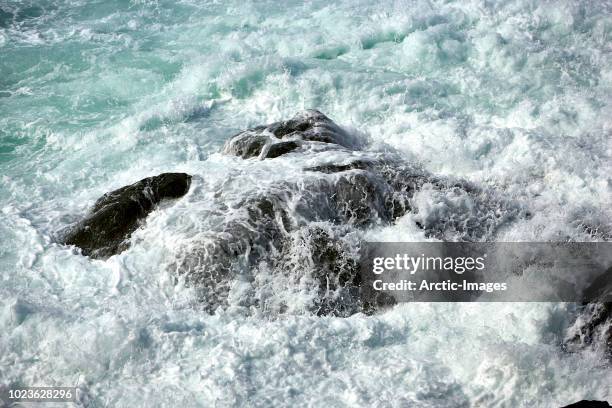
[279, 138]
[105, 230]
[303, 228]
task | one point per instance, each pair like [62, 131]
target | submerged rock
[117, 214]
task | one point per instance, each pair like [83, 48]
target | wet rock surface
[247, 145]
[284, 137]
[301, 231]
[588, 404]
[336, 168]
[592, 327]
[117, 214]
[281, 148]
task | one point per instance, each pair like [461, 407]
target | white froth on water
[513, 95]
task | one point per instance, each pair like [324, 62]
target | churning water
[511, 95]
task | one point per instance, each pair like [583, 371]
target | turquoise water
[96, 95]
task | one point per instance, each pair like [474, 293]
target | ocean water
[512, 95]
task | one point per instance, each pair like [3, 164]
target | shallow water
[95, 95]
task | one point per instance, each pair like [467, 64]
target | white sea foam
[514, 96]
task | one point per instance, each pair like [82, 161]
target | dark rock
[331, 265]
[327, 266]
[337, 168]
[117, 214]
[277, 230]
[600, 290]
[280, 129]
[334, 266]
[360, 198]
[278, 149]
[465, 212]
[313, 126]
[258, 230]
[296, 227]
[309, 126]
[246, 145]
[588, 404]
[357, 198]
[324, 130]
[592, 327]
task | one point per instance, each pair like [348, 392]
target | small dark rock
[117, 214]
[278, 149]
[588, 404]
